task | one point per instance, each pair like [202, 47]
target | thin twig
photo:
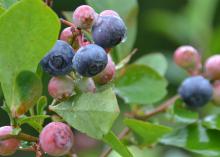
[20, 136]
[67, 23]
[161, 108]
[35, 148]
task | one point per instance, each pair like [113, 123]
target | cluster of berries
[203, 85]
[74, 52]
[89, 60]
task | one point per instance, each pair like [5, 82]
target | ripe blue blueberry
[90, 60]
[108, 31]
[196, 91]
[58, 61]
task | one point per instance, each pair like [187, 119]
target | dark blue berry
[108, 31]
[196, 91]
[59, 60]
[90, 60]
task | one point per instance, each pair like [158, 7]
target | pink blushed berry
[67, 35]
[60, 87]
[107, 74]
[188, 58]
[216, 93]
[9, 146]
[212, 69]
[56, 139]
[84, 16]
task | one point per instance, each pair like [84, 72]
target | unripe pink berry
[84, 142]
[212, 67]
[70, 35]
[56, 139]
[107, 74]
[9, 146]
[86, 85]
[84, 16]
[216, 93]
[67, 35]
[109, 13]
[188, 58]
[60, 87]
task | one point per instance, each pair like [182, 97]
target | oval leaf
[147, 133]
[41, 104]
[28, 89]
[90, 113]
[157, 61]
[25, 41]
[140, 84]
[195, 138]
[35, 121]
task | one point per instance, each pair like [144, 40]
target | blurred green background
[162, 26]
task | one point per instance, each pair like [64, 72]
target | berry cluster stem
[67, 23]
[80, 37]
[161, 108]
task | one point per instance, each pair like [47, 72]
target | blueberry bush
[71, 86]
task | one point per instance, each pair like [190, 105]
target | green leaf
[212, 122]
[7, 3]
[138, 152]
[21, 49]
[41, 104]
[184, 115]
[147, 133]
[90, 113]
[195, 138]
[156, 61]
[35, 121]
[140, 84]
[1, 10]
[129, 13]
[28, 89]
[116, 144]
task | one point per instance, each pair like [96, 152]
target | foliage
[29, 29]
